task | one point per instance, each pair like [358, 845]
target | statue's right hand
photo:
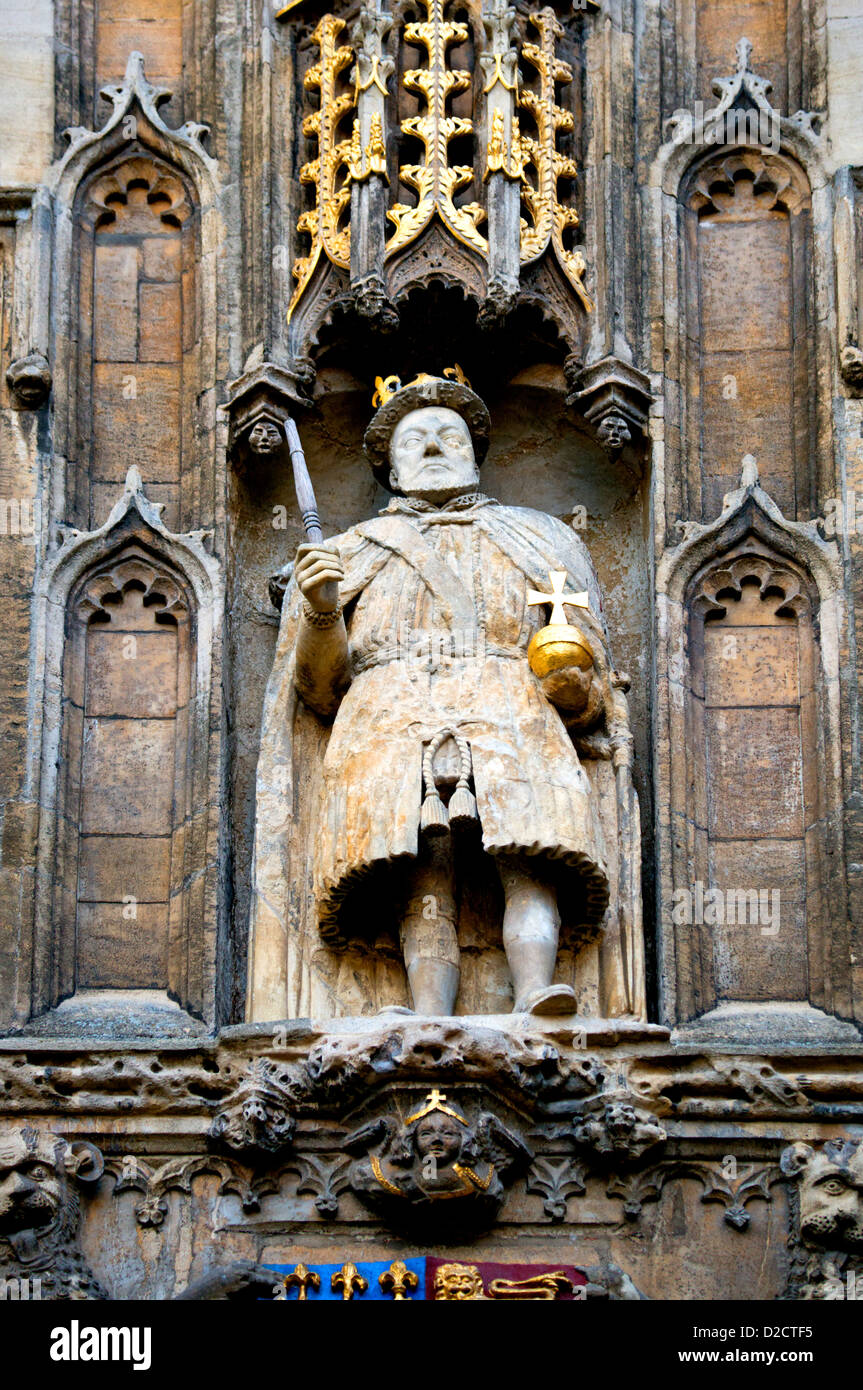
[318, 572]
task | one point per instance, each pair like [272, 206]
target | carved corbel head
[613, 397]
[851, 367]
[29, 380]
[256, 1121]
[259, 405]
[613, 1131]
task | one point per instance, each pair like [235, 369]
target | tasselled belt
[429, 650]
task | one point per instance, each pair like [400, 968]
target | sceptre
[306, 500]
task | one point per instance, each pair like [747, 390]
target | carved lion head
[831, 1192]
[39, 1209]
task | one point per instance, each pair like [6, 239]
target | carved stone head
[831, 1192]
[29, 379]
[437, 399]
[40, 1213]
[614, 432]
[435, 1165]
[613, 1129]
[256, 1121]
[265, 438]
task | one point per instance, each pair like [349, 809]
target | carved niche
[137, 232]
[124, 907]
[756, 803]
[748, 297]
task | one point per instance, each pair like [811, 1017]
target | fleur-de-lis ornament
[350, 1281]
[302, 1279]
[399, 1281]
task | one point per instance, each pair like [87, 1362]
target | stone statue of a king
[417, 641]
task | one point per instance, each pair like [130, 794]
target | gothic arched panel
[129, 679]
[753, 751]
[137, 229]
[748, 221]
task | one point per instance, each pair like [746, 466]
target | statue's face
[431, 454]
[438, 1136]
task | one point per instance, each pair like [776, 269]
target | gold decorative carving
[436, 181]
[350, 1281]
[399, 1281]
[371, 160]
[547, 219]
[547, 1287]
[498, 75]
[302, 1279]
[460, 1283]
[499, 159]
[388, 386]
[330, 171]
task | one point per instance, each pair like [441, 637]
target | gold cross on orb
[558, 598]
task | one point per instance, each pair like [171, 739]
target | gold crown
[435, 1101]
[388, 386]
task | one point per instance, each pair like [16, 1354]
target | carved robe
[438, 627]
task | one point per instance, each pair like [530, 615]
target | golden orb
[557, 646]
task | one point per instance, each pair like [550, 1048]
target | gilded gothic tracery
[353, 127]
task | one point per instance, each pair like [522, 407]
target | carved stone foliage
[556, 1179]
[329, 172]
[429, 1165]
[342, 1069]
[154, 1182]
[548, 221]
[41, 1177]
[435, 181]
[257, 1121]
[827, 1246]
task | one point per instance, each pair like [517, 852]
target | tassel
[434, 819]
[462, 806]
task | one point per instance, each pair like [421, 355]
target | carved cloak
[436, 613]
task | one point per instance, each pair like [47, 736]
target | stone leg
[428, 931]
[531, 926]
